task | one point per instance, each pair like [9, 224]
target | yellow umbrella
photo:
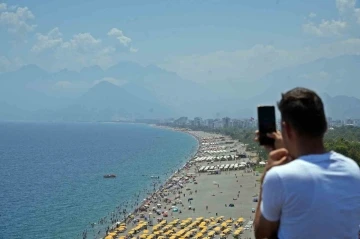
[199, 235]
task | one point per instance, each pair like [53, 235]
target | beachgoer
[314, 193]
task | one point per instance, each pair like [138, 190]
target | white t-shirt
[315, 196]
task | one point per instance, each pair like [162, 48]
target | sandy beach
[199, 196]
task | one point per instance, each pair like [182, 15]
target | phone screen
[267, 124]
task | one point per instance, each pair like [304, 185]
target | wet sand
[211, 194]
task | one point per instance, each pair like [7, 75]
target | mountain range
[128, 90]
[335, 79]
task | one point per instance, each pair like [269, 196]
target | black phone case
[263, 139]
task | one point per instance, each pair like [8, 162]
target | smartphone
[266, 124]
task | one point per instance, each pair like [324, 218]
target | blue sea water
[51, 174]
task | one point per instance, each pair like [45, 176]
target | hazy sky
[199, 39]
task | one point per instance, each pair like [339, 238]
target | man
[307, 192]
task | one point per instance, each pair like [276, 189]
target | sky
[201, 40]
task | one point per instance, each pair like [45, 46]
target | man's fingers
[278, 154]
[256, 135]
[273, 163]
[283, 160]
[272, 135]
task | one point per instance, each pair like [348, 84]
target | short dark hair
[303, 109]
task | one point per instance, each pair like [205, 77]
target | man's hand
[276, 158]
[278, 140]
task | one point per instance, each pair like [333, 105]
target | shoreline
[192, 182]
[161, 186]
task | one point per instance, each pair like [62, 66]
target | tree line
[344, 140]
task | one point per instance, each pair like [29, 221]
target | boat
[110, 176]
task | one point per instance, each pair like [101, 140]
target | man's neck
[310, 146]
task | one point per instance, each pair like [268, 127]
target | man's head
[303, 117]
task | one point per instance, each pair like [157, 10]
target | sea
[51, 174]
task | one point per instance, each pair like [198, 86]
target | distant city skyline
[251, 122]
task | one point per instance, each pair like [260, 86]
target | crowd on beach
[122, 211]
[131, 207]
[171, 200]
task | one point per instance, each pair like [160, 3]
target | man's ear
[287, 130]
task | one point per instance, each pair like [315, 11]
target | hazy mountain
[336, 76]
[32, 89]
[107, 96]
[65, 75]
[342, 107]
[104, 102]
[11, 112]
[337, 107]
[126, 70]
[24, 74]
[152, 89]
[92, 73]
[31, 82]
[139, 91]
